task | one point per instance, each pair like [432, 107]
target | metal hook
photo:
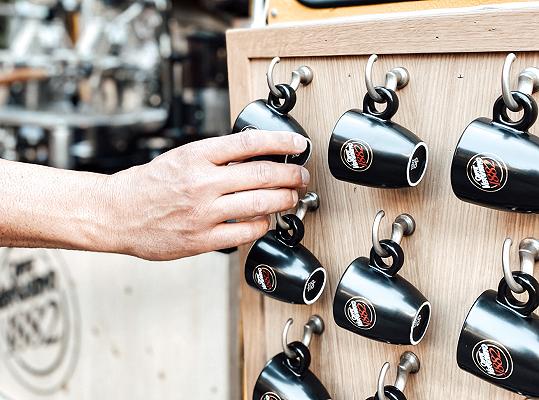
[528, 82]
[396, 79]
[528, 251]
[309, 202]
[404, 225]
[315, 325]
[408, 364]
[303, 75]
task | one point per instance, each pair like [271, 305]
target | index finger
[240, 146]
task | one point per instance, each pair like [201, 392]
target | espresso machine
[101, 85]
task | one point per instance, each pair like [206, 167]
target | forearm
[47, 207]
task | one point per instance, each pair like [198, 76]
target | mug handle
[531, 286]
[529, 117]
[297, 228]
[390, 98]
[395, 252]
[289, 96]
[301, 364]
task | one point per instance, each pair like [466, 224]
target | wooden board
[455, 62]
[144, 330]
[293, 10]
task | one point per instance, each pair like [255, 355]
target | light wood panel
[293, 10]
[455, 253]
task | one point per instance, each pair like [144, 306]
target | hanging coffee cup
[495, 163]
[367, 148]
[499, 340]
[280, 267]
[287, 376]
[272, 114]
[371, 300]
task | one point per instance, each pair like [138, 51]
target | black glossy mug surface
[496, 162]
[272, 116]
[366, 148]
[499, 341]
[290, 273]
[374, 302]
[282, 379]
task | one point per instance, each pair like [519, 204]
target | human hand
[177, 205]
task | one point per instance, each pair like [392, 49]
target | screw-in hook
[303, 75]
[396, 79]
[408, 364]
[404, 225]
[528, 82]
[309, 202]
[528, 251]
[315, 325]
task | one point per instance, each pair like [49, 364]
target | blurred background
[101, 85]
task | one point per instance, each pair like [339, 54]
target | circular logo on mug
[39, 319]
[493, 359]
[265, 278]
[360, 312]
[356, 155]
[270, 396]
[487, 172]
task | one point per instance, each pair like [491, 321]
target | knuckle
[264, 173]
[290, 200]
[248, 140]
[260, 205]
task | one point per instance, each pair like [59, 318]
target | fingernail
[300, 142]
[305, 176]
[295, 197]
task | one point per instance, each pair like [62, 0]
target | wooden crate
[455, 60]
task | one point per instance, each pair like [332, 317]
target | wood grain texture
[455, 253]
[293, 10]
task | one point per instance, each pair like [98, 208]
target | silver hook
[303, 75]
[309, 202]
[315, 325]
[528, 251]
[396, 79]
[404, 225]
[528, 82]
[408, 364]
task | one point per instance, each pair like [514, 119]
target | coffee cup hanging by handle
[495, 161]
[271, 114]
[279, 266]
[287, 376]
[408, 364]
[369, 149]
[499, 340]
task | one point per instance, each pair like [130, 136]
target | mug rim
[417, 146]
[425, 304]
[310, 145]
[321, 289]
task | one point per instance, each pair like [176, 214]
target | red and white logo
[493, 359]
[270, 396]
[265, 278]
[360, 312]
[487, 172]
[356, 155]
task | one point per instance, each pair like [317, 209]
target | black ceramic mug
[499, 341]
[371, 300]
[496, 162]
[366, 148]
[271, 115]
[286, 379]
[280, 267]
